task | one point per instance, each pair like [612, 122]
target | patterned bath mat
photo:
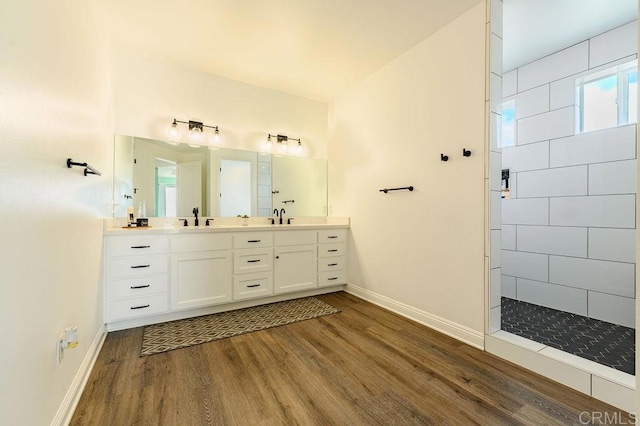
[172, 335]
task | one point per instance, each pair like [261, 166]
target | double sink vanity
[168, 272]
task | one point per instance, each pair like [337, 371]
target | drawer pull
[332, 279]
[140, 266]
[332, 236]
[332, 250]
[139, 247]
[135, 287]
[253, 261]
[140, 307]
[253, 241]
[253, 285]
[332, 264]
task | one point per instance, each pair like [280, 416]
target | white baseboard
[71, 399]
[452, 329]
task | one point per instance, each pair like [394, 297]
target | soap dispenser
[144, 209]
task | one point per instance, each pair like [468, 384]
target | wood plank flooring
[363, 366]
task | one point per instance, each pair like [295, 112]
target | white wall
[423, 250]
[150, 92]
[569, 226]
[55, 96]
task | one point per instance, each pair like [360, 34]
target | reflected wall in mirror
[170, 180]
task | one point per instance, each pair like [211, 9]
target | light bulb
[215, 140]
[299, 150]
[174, 133]
[268, 145]
[283, 147]
[195, 135]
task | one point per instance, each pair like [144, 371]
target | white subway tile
[568, 299]
[508, 286]
[550, 125]
[526, 211]
[264, 190]
[614, 44]
[563, 93]
[602, 211]
[525, 265]
[496, 246]
[496, 209]
[596, 275]
[513, 185]
[495, 319]
[612, 393]
[521, 158]
[264, 179]
[496, 93]
[532, 102]
[494, 288]
[496, 17]
[508, 237]
[611, 308]
[554, 67]
[616, 177]
[509, 83]
[495, 171]
[567, 241]
[564, 181]
[496, 57]
[612, 244]
[495, 132]
[618, 143]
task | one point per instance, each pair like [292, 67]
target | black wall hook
[466, 152]
[444, 157]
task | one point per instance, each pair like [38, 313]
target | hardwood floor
[363, 366]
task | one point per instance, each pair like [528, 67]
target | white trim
[457, 331]
[71, 399]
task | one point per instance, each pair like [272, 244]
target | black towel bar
[410, 188]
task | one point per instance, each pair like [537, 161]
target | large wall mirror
[170, 180]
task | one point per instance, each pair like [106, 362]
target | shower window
[608, 98]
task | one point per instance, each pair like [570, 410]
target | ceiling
[533, 29]
[311, 48]
[319, 48]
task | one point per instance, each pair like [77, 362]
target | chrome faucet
[282, 212]
[195, 213]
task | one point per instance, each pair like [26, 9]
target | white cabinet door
[201, 279]
[295, 268]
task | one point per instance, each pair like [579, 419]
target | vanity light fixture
[281, 146]
[196, 133]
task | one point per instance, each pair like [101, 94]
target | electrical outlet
[60, 349]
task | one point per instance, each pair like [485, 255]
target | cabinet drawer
[332, 236]
[137, 307]
[331, 264]
[250, 286]
[252, 239]
[195, 243]
[332, 250]
[137, 287]
[326, 279]
[292, 238]
[252, 260]
[135, 245]
[135, 266]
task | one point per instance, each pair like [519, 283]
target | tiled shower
[564, 238]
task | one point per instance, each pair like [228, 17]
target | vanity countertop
[111, 227]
